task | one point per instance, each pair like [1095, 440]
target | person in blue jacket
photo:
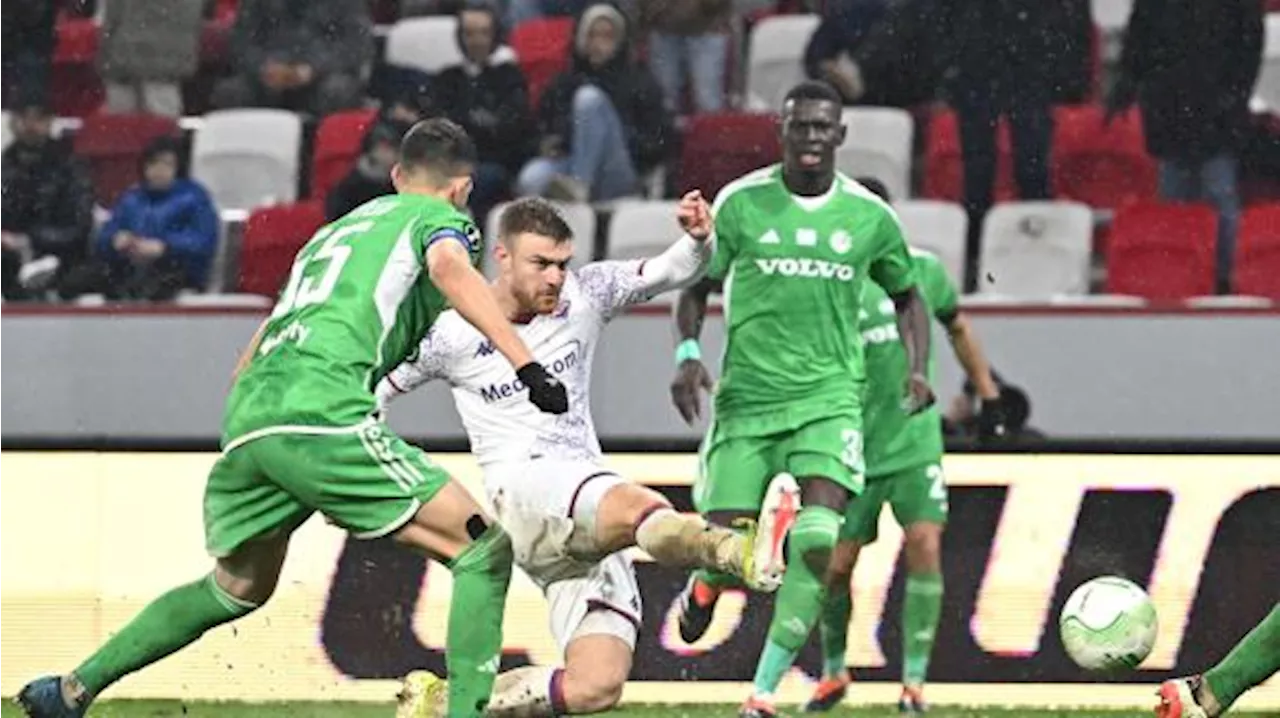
[161, 237]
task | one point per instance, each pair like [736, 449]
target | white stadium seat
[775, 58]
[429, 44]
[1036, 249]
[6, 133]
[581, 219]
[1111, 16]
[247, 158]
[937, 227]
[1268, 88]
[640, 228]
[878, 144]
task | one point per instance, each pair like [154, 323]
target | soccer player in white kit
[569, 517]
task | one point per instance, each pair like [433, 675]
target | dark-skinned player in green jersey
[794, 244]
[302, 434]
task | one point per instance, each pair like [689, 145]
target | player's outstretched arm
[691, 374]
[685, 261]
[449, 267]
[913, 328]
[968, 351]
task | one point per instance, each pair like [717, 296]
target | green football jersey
[793, 270]
[892, 440]
[357, 303]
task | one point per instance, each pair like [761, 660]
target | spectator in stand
[1001, 58]
[1194, 90]
[519, 11]
[148, 48]
[306, 55]
[371, 175]
[877, 52]
[692, 36]
[47, 205]
[603, 122]
[160, 239]
[26, 29]
[487, 95]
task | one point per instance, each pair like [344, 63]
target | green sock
[920, 611]
[474, 644]
[801, 597]
[833, 628]
[1254, 659]
[166, 625]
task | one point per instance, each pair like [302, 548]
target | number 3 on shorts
[852, 454]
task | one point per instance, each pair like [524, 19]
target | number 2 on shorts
[937, 483]
[302, 291]
[852, 454]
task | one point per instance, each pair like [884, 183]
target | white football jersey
[502, 423]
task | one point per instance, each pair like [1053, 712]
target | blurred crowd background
[1117, 151]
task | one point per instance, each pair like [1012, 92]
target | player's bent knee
[594, 694]
[840, 567]
[924, 547]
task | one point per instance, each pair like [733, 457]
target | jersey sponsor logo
[295, 332]
[882, 334]
[806, 267]
[566, 358]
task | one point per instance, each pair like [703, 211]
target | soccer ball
[1108, 624]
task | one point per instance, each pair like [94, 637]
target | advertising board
[90, 538]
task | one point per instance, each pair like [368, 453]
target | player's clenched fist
[919, 395]
[691, 376]
[545, 391]
[695, 216]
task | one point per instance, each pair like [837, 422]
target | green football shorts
[916, 494]
[368, 481]
[736, 470]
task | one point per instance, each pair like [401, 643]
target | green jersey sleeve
[726, 236]
[455, 226]
[939, 291]
[892, 267]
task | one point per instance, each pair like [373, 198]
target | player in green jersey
[301, 433]
[1253, 660]
[794, 245]
[904, 469]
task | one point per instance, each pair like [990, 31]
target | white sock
[529, 692]
[681, 541]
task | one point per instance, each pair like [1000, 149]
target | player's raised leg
[248, 524]
[1254, 659]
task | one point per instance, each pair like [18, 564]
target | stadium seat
[1103, 166]
[272, 236]
[775, 58]
[1256, 269]
[337, 146]
[641, 228]
[944, 168]
[6, 132]
[1036, 249]
[429, 44]
[1111, 16]
[1162, 251]
[937, 227]
[1268, 87]
[542, 47]
[112, 145]
[581, 219]
[249, 157]
[720, 148]
[878, 144]
[75, 88]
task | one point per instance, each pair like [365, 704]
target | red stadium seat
[272, 236]
[722, 147]
[1257, 261]
[542, 47]
[944, 169]
[1162, 251]
[75, 89]
[337, 147]
[112, 145]
[1101, 166]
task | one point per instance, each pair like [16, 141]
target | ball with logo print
[1108, 624]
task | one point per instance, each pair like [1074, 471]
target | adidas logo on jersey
[805, 267]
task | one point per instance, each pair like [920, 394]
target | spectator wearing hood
[371, 175]
[306, 55]
[690, 35]
[160, 239]
[603, 123]
[486, 94]
[47, 205]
